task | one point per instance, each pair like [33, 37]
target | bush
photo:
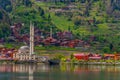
[59, 56]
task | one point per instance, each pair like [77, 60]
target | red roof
[81, 56]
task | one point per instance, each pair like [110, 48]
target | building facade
[23, 54]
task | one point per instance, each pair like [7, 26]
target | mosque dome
[24, 50]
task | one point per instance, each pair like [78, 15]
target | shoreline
[114, 63]
[74, 63]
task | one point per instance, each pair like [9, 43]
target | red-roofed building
[49, 41]
[95, 57]
[81, 56]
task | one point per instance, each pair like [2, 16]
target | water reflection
[62, 72]
[89, 68]
[23, 71]
[30, 73]
[22, 68]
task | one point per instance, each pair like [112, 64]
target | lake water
[63, 72]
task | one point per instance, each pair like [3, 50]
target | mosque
[26, 53]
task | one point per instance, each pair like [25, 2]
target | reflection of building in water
[6, 68]
[17, 68]
[28, 70]
[30, 73]
[23, 68]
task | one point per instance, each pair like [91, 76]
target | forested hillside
[96, 22]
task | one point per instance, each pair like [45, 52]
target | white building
[27, 53]
[24, 54]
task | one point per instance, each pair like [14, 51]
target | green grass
[61, 22]
[53, 48]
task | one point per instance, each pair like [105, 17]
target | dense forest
[96, 22]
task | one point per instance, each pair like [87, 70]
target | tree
[106, 49]
[1, 16]
[5, 4]
[8, 8]
[49, 17]
[77, 20]
[111, 46]
[27, 3]
[41, 11]
[4, 30]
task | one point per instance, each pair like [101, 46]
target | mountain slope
[94, 21]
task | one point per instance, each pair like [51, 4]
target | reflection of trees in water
[68, 67]
[89, 68]
[58, 72]
[23, 68]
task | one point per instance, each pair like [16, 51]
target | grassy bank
[7, 62]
